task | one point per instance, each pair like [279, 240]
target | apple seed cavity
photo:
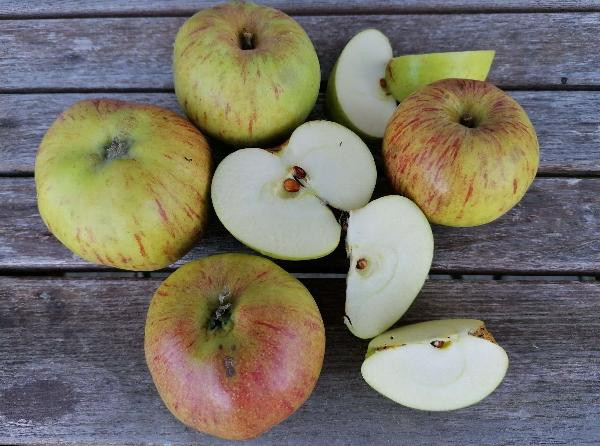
[291, 185]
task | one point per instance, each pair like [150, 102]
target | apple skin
[140, 212]
[251, 97]
[251, 372]
[406, 74]
[461, 176]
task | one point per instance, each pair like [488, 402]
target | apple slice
[435, 365]
[407, 74]
[277, 202]
[390, 246]
[355, 94]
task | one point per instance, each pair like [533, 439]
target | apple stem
[467, 120]
[247, 40]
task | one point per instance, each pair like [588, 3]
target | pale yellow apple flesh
[250, 197]
[390, 246]
[407, 74]
[355, 94]
[436, 365]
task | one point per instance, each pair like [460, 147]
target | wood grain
[553, 230]
[566, 123]
[533, 50]
[72, 369]
[77, 8]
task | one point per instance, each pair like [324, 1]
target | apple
[406, 74]
[366, 80]
[234, 344]
[278, 203]
[463, 150]
[390, 246]
[356, 96]
[123, 184]
[435, 365]
[244, 73]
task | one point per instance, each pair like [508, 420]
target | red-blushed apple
[124, 184]
[234, 344]
[244, 73]
[463, 150]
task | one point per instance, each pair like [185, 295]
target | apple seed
[361, 263]
[299, 172]
[291, 185]
[439, 343]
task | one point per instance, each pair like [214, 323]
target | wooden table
[71, 359]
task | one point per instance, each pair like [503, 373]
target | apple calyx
[220, 318]
[117, 148]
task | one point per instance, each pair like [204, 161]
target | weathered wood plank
[72, 369]
[566, 122]
[532, 49]
[48, 8]
[553, 230]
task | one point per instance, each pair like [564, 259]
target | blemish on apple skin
[229, 368]
[189, 160]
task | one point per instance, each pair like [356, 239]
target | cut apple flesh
[435, 365]
[355, 94]
[277, 202]
[390, 245]
[406, 74]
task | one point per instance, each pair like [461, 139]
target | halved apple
[278, 202]
[407, 74]
[356, 96]
[390, 246]
[436, 365]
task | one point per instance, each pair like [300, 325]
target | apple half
[406, 74]
[390, 246]
[278, 203]
[356, 96]
[436, 365]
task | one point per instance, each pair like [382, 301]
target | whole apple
[463, 150]
[244, 73]
[123, 184]
[234, 344]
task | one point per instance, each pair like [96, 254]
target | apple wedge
[355, 94]
[278, 202]
[390, 246]
[407, 74]
[435, 365]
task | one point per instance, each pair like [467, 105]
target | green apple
[406, 74]
[390, 246]
[435, 365]
[356, 96]
[278, 203]
[123, 184]
[234, 344]
[463, 150]
[244, 73]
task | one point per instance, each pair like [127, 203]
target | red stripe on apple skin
[161, 211]
[138, 239]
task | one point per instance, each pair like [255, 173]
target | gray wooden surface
[73, 369]
[71, 359]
